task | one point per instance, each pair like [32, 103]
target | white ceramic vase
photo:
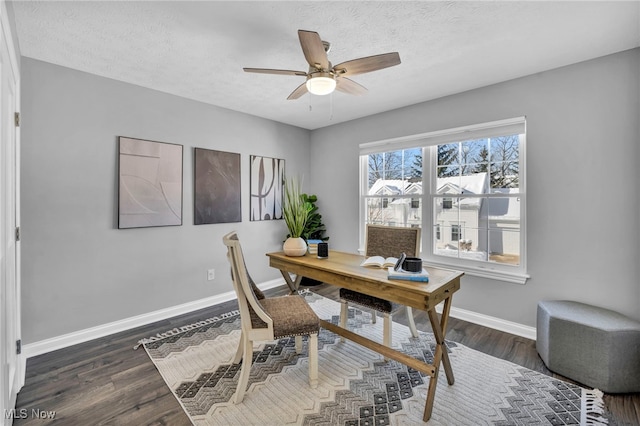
[295, 246]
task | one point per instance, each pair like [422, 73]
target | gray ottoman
[593, 346]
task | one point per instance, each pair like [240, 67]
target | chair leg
[298, 344]
[344, 312]
[313, 360]
[244, 371]
[412, 324]
[238, 356]
[386, 331]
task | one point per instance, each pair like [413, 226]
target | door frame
[16, 365]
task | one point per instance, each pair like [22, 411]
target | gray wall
[78, 269]
[583, 139]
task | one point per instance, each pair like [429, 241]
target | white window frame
[428, 142]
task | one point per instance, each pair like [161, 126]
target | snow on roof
[395, 187]
[468, 184]
[498, 208]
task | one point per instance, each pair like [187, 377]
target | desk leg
[444, 319]
[293, 285]
[439, 329]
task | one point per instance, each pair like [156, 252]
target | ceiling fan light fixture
[321, 84]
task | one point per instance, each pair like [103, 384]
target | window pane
[501, 216]
[504, 246]
[385, 165]
[502, 212]
[472, 244]
[412, 163]
[413, 186]
[446, 210]
[448, 180]
[444, 246]
[374, 213]
[474, 183]
[505, 162]
[463, 183]
[504, 175]
[395, 172]
[394, 211]
[400, 212]
[448, 154]
[414, 212]
[474, 156]
[505, 148]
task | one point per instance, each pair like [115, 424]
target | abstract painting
[150, 183]
[216, 186]
[267, 178]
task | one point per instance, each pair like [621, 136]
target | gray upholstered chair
[383, 241]
[266, 319]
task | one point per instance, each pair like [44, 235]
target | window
[464, 187]
[455, 232]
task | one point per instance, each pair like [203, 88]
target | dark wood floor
[106, 382]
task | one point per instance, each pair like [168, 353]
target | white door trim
[12, 365]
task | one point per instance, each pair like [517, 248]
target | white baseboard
[49, 345]
[492, 322]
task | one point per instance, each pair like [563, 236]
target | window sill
[511, 277]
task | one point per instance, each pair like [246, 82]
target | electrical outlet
[211, 274]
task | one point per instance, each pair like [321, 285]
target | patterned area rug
[356, 386]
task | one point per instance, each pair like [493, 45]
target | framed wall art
[216, 187]
[150, 183]
[267, 179]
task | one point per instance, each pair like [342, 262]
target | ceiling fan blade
[300, 90]
[367, 64]
[269, 71]
[345, 85]
[313, 49]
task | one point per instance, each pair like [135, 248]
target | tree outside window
[476, 194]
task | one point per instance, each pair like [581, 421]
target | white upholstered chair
[266, 319]
[386, 241]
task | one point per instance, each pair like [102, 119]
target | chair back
[252, 315]
[389, 241]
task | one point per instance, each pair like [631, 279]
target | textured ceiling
[198, 49]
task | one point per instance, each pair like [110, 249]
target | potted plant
[295, 212]
[313, 231]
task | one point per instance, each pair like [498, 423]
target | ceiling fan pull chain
[331, 107]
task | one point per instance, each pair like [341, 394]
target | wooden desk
[344, 270]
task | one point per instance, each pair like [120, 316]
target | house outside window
[470, 186]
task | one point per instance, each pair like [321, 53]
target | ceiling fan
[323, 78]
